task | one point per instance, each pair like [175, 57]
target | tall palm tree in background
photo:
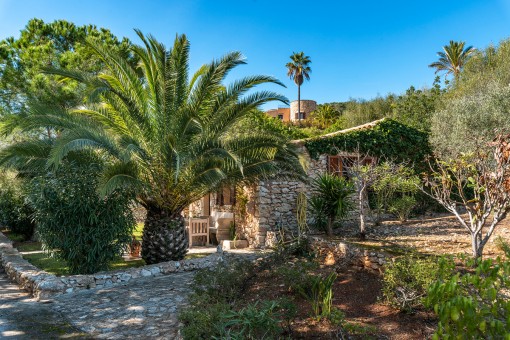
[299, 70]
[453, 57]
[167, 136]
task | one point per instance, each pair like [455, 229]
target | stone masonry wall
[277, 199]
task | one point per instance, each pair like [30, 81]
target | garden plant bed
[356, 292]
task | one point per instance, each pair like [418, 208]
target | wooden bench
[198, 227]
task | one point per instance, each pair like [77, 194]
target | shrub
[223, 283]
[15, 213]
[402, 207]
[75, 223]
[202, 322]
[475, 304]
[406, 279]
[215, 291]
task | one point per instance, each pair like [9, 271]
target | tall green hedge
[77, 224]
[387, 139]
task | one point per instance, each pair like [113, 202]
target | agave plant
[170, 137]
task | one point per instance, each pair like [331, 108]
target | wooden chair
[198, 227]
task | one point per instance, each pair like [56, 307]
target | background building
[290, 114]
[282, 113]
[307, 106]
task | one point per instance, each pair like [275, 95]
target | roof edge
[340, 132]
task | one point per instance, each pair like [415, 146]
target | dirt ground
[357, 291]
[357, 294]
[438, 234]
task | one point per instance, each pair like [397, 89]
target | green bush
[215, 291]
[475, 304]
[15, 213]
[223, 283]
[75, 223]
[406, 279]
[201, 320]
[402, 207]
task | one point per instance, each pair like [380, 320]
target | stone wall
[277, 201]
[341, 253]
[43, 285]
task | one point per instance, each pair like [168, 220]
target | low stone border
[43, 285]
[334, 252]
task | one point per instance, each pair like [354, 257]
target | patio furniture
[198, 227]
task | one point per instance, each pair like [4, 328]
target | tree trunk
[329, 231]
[476, 245]
[164, 236]
[361, 203]
[362, 223]
[299, 103]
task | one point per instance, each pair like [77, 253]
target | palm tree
[453, 57]
[170, 138]
[299, 70]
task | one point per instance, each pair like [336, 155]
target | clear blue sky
[358, 48]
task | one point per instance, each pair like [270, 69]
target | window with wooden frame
[340, 165]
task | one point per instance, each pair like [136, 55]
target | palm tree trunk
[299, 103]
[164, 236]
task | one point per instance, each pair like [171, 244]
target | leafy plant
[406, 280]
[225, 282]
[402, 207]
[255, 321]
[394, 188]
[331, 199]
[474, 304]
[319, 292]
[75, 223]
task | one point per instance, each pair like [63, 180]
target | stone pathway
[145, 309]
[21, 317]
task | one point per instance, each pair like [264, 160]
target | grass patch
[121, 264]
[28, 246]
[47, 263]
[59, 267]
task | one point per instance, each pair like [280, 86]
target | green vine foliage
[387, 139]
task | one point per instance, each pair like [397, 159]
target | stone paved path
[24, 318]
[145, 309]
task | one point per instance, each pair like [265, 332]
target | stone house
[257, 212]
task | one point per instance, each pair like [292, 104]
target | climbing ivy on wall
[388, 139]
